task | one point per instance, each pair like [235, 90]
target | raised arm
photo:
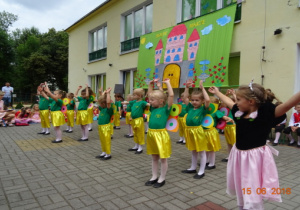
[158, 84]
[87, 91]
[46, 89]
[108, 98]
[76, 93]
[150, 86]
[186, 91]
[286, 106]
[221, 96]
[206, 97]
[100, 91]
[170, 92]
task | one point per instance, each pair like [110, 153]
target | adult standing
[8, 90]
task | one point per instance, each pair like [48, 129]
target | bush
[19, 105]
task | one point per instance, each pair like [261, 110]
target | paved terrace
[37, 174]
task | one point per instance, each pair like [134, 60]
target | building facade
[104, 44]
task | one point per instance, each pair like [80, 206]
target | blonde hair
[214, 100]
[102, 98]
[157, 94]
[257, 93]
[62, 93]
[198, 93]
[71, 95]
[129, 97]
[1, 93]
[140, 92]
[34, 107]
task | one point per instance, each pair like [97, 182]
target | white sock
[107, 155]
[136, 146]
[291, 138]
[277, 135]
[194, 160]
[180, 139]
[47, 130]
[212, 159]
[90, 126]
[140, 148]
[202, 162]
[70, 129]
[43, 130]
[183, 140]
[103, 154]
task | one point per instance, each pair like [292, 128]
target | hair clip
[250, 85]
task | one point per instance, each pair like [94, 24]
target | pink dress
[36, 117]
[251, 170]
[2, 114]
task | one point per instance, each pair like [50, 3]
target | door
[172, 71]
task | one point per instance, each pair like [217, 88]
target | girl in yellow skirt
[82, 117]
[70, 113]
[137, 109]
[104, 126]
[90, 110]
[118, 105]
[127, 107]
[194, 134]
[158, 139]
[57, 117]
[44, 111]
[181, 121]
[212, 136]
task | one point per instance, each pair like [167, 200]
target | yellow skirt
[138, 130]
[70, 117]
[195, 138]
[57, 118]
[90, 115]
[159, 143]
[230, 134]
[44, 115]
[128, 116]
[182, 124]
[213, 138]
[82, 117]
[111, 129]
[117, 119]
[105, 137]
[148, 117]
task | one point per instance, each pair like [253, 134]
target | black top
[252, 133]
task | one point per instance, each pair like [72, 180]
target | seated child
[35, 114]
[24, 116]
[294, 125]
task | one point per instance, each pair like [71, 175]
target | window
[96, 82]
[189, 9]
[98, 43]
[128, 81]
[136, 23]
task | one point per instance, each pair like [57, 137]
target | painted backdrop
[197, 49]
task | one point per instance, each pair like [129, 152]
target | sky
[45, 14]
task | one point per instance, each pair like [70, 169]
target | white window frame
[103, 35]
[131, 78]
[132, 11]
[197, 10]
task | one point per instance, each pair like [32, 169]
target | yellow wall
[260, 18]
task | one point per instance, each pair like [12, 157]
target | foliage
[6, 20]
[19, 105]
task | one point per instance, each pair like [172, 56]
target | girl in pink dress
[35, 114]
[251, 171]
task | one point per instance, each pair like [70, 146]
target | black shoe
[106, 158]
[82, 139]
[298, 145]
[114, 126]
[139, 152]
[146, 132]
[210, 167]
[291, 144]
[66, 131]
[90, 129]
[69, 131]
[157, 184]
[225, 160]
[197, 176]
[46, 133]
[100, 156]
[189, 171]
[274, 144]
[183, 143]
[54, 141]
[117, 128]
[111, 137]
[128, 136]
[179, 142]
[132, 149]
[151, 182]
[41, 133]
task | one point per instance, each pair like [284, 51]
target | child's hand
[213, 90]
[167, 80]
[158, 84]
[108, 90]
[79, 87]
[189, 83]
[46, 88]
[86, 85]
[201, 84]
[227, 119]
[100, 90]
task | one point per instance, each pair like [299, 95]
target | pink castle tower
[193, 44]
[175, 44]
[158, 52]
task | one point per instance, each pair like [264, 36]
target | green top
[183, 109]
[195, 116]
[159, 117]
[71, 105]
[105, 115]
[55, 105]
[216, 115]
[83, 103]
[137, 108]
[43, 103]
[118, 104]
[128, 108]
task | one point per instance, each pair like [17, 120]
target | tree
[6, 20]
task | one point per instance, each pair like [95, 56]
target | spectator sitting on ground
[6, 116]
[35, 114]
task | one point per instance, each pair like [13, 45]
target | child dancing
[158, 139]
[104, 126]
[251, 169]
[194, 134]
